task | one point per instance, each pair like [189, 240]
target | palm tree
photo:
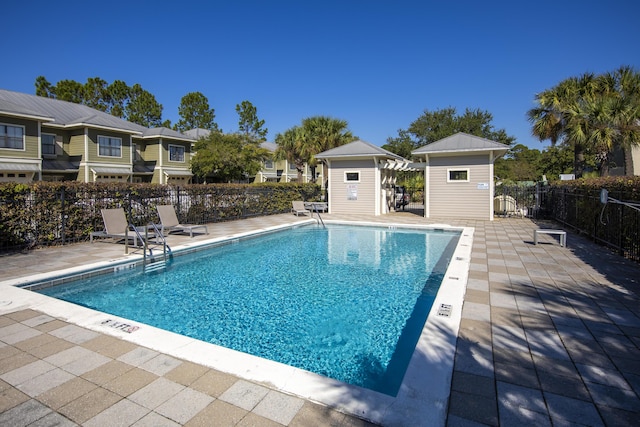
[323, 133]
[290, 147]
[591, 114]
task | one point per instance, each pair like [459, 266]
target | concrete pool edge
[425, 390]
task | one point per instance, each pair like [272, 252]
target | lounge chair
[298, 208]
[169, 222]
[116, 226]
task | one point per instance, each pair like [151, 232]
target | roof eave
[27, 116]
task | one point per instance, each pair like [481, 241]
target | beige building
[361, 178]
[44, 139]
[458, 172]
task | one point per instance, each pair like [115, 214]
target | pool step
[155, 266]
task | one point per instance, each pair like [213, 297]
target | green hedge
[51, 213]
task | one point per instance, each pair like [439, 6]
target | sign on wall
[352, 192]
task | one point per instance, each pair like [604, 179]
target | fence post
[63, 215]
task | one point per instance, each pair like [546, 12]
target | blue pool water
[348, 303]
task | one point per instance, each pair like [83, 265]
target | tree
[322, 133]
[519, 164]
[227, 157]
[119, 97]
[290, 148]
[593, 114]
[44, 88]
[143, 108]
[195, 113]
[96, 94]
[70, 91]
[300, 144]
[248, 122]
[435, 125]
[556, 160]
[129, 103]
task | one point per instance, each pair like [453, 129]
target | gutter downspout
[491, 185]
[427, 186]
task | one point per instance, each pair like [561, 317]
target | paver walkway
[549, 336]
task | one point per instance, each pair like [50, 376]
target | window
[292, 167]
[176, 153]
[457, 175]
[12, 137]
[48, 143]
[268, 164]
[352, 177]
[109, 146]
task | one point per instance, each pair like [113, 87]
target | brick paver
[548, 336]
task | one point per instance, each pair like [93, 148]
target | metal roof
[459, 143]
[69, 114]
[358, 149]
[166, 132]
[269, 146]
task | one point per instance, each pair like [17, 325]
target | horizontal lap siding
[365, 203]
[459, 199]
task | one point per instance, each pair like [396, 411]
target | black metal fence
[612, 221]
[46, 214]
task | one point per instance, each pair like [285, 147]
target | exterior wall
[62, 142]
[76, 143]
[468, 200]
[31, 141]
[353, 197]
[125, 153]
[635, 155]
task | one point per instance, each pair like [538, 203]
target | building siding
[125, 153]
[30, 139]
[459, 199]
[365, 189]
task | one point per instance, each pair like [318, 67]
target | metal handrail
[315, 208]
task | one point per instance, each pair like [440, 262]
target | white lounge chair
[169, 222]
[298, 208]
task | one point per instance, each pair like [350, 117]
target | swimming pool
[344, 302]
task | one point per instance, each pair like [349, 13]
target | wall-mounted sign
[352, 192]
[483, 186]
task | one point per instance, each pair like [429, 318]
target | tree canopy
[300, 144]
[227, 157]
[592, 114]
[195, 113]
[248, 122]
[432, 126]
[133, 103]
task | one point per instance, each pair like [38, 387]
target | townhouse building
[44, 139]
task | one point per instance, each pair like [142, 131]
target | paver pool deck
[549, 336]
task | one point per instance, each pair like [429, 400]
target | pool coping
[423, 395]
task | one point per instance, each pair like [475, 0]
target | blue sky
[376, 64]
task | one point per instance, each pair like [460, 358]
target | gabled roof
[69, 114]
[166, 132]
[358, 149]
[12, 109]
[197, 133]
[461, 143]
[269, 146]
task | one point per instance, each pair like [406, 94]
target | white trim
[184, 153]
[24, 137]
[110, 138]
[86, 154]
[350, 180]
[449, 170]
